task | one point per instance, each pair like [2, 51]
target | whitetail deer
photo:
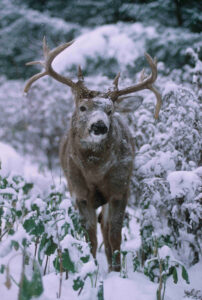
[97, 153]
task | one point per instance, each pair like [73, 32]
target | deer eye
[82, 108]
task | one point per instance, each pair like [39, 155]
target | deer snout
[99, 128]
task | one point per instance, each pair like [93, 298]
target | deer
[97, 152]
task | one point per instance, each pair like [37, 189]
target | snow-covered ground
[136, 286]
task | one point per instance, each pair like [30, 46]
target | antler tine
[34, 63]
[158, 103]
[46, 50]
[53, 53]
[49, 56]
[153, 66]
[33, 79]
[142, 75]
[145, 83]
[116, 81]
[80, 74]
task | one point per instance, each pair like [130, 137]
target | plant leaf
[185, 275]
[175, 276]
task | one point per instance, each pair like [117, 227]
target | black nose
[99, 128]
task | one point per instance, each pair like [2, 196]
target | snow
[109, 41]
[5, 245]
[164, 252]
[10, 161]
[183, 183]
[116, 288]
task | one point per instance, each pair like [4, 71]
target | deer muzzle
[98, 128]
[98, 124]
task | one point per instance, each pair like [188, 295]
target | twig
[60, 257]
[160, 281]
[61, 270]
[36, 244]
[44, 273]
[81, 289]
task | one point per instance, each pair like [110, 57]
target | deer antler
[145, 83]
[49, 56]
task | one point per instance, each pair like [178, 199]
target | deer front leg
[115, 220]
[105, 234]
[89, 223]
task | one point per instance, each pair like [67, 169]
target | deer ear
[130, 103]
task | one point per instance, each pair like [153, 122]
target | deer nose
[98, 128]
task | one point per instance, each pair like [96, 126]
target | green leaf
[78, 283]
[2, 268]
[11, 232]
[56, 263]
[85, 259]
[51, 247]
[19, 213]
[100, 294]
[34, 226]
[36, 283]
[27, 187]
[48, 245]
[15, 245]
[136, 264]
[29, 225]
[185, 275]
[67, 263]
[29, 289]
[175, 277]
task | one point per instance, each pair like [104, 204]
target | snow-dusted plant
[161, 267]
[196, 71]
[42, 227]
[185, 217]
[165, 150]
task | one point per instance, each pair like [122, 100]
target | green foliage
[160, 268]
[46, 247]
[185, 274]
[136, 263]
[100, 295]
[175, 276]
[85, 259]
[33, 226]
[67, 263]
[31, 288]
[78, 284]
[2, 269]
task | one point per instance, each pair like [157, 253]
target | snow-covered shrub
[172, 215]
[35, 124]
[196, 70]
[41, 226]
[165, 150]
[161, 267]
[185, 219]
